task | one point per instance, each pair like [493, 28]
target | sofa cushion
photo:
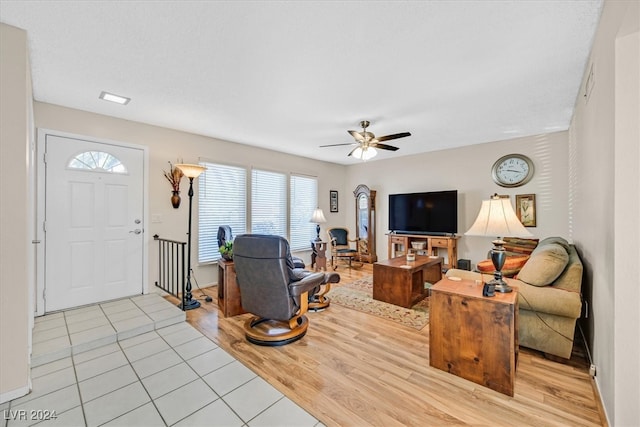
[511, 267]
[547, 300]
[546, 264]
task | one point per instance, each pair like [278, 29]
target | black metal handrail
[172, 267]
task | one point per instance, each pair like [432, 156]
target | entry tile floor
[141, 369]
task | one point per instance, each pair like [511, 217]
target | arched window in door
[97, 161]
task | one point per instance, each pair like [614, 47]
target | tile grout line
[139, 379]
[221, 397]
[120, 348]
[77, 383]
[152, 400]
[197, 374]
[73, 362]
[75, 373]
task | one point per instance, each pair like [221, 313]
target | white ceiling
[291, 76]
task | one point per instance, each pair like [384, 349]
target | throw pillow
[558, 240]
[545, 265]
[519, 245]
[511, 267]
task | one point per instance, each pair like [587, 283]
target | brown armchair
[278, 301]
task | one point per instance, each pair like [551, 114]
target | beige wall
[426, 172]
[15, 207]
[169, 145]
[605, 189]
[468, 170]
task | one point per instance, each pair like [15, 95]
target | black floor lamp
[191, 172]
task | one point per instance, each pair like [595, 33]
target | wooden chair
[340, 246]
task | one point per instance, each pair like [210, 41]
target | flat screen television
[424, 213]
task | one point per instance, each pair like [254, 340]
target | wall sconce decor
[174, 176]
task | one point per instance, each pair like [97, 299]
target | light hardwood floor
[355, 369]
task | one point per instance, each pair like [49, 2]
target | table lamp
[497, 218]
[318, 218]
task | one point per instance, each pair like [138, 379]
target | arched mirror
[365, 223]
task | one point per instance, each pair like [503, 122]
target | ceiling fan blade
[357, 135]
[337, 145]
[394, 136]
[384, 146]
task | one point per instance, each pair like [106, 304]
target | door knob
[136, 231]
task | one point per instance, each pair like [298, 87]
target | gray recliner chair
[277, 300]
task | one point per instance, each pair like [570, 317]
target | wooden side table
[320, 252]
[472, 336]
[229, 301]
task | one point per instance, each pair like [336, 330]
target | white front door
[93, 220]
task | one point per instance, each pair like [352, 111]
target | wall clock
[512, 170]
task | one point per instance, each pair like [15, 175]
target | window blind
[303, 193]
[268, 203]
[222, 200]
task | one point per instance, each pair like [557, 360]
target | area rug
[357, 295]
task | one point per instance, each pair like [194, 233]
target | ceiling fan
[366, 142]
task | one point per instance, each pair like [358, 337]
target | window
[97, 161]
[222, 200]
[268, 203]
[303, 192]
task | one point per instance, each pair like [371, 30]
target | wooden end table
[472, 336]
[399, 282]
[320, 257]
[229, 301]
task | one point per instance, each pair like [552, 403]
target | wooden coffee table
[472, 336]
[399, 282]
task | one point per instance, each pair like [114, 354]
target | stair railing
[172, 267]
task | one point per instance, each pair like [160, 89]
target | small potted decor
[174, 176]
[226, 251]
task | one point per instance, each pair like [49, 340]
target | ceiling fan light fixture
[364, 153]
[367, 144]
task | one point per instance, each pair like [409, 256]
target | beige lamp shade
[497, 218]
[191, 171]
[318, 217]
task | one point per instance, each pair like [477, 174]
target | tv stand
[400, 243]
[422, 233]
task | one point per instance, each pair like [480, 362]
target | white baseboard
[14, 394]
[599, 397]
[594, 379]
